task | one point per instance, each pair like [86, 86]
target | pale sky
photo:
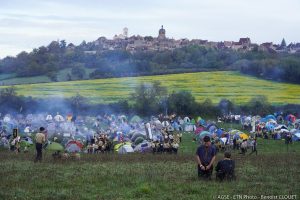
[28, 24]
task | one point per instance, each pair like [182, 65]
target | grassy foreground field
[274, 171]
[213, 85]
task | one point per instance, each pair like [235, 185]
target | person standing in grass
[40, 139]
[205, 157]
[254, 145]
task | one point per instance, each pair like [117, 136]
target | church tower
[162, 33]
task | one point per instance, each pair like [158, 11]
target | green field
[213, 85]
[12, 79]
[274, 171]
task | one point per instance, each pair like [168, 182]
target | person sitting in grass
[225, 168]
[65, 155]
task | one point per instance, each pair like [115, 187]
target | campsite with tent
[149, 100]
[140, 157]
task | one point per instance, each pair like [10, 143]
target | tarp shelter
[125, 149]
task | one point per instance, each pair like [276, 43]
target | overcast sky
[26, 24]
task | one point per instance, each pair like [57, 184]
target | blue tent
[268, 117]
[219, 132]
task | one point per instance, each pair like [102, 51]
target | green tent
[203, 134]
[54, 146]
[135, 119]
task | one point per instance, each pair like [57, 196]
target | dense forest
[56, 56]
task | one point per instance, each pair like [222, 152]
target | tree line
[148, 99]
[58, 55]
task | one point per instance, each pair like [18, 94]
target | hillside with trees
[86, 62]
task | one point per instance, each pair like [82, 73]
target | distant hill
[61, 62]
[204, 85]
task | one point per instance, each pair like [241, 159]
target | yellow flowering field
[212, 85]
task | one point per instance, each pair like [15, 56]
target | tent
[72, 148]
[59, 118]
[138, 140]
[199, 130]
[76, 142]
[176, 126]
[244, 136]
[143, 147]
[136, 119]
[268, 117]
[137, 135]
[219, 132]
[186, 120]
[203, 134]
[212, 128]
[54, 146]
[117, 146]
[158, 124]
[296, 136]
[170, 128]
[234, 131]
[26, 142]
[49, 117]
[165, 124]
[125, 149]
[125, 128]
[291, 118]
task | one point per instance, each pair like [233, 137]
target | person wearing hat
[225, 168]
[205, 157]
[39, 139]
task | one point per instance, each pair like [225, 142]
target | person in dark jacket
[225, 168]
[205, 157]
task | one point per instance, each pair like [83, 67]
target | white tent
[165, 124]
[49, 117]
[27, 129]
[125, 149]
[6, 119]
[186, 120]
[59, 118]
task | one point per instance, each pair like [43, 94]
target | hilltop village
[162, 42]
